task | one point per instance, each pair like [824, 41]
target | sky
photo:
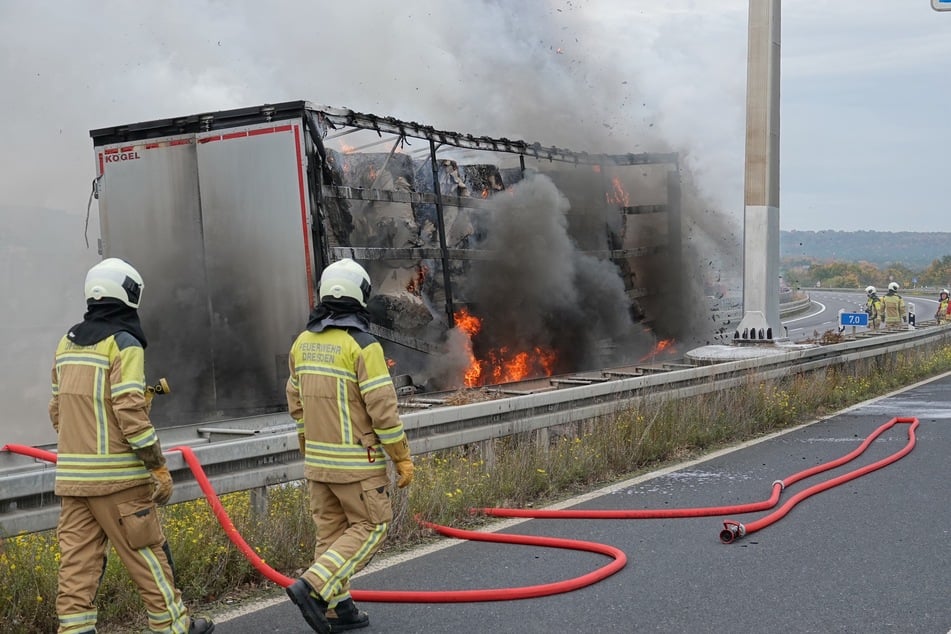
[865, 129]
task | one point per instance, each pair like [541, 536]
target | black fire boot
[346, 616]
[201, 626]
[311, 607]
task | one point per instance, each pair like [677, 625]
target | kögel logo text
[122, 156]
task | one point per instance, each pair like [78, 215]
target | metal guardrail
[733, 316]
[255, 452]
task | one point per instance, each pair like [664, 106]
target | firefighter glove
[399, 454]
[405, 470]
[151, 456]
[161, 485]
[303, 444]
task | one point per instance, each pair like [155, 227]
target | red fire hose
[409, 596]
[731, 531]
[403, 596]
[778, 487]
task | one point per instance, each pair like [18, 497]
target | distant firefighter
[874, 308]
[895, 309]
[943, 314]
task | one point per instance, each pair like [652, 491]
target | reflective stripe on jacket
[342, 397]
[894, 309]
[99, 411]
[943, 310]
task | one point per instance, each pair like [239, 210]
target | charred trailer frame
[231, 216]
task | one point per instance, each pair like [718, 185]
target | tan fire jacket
[342, 397]
[99, 411]
[894, 309]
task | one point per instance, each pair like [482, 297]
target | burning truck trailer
[492, 260]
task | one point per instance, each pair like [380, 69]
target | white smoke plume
[599, 76]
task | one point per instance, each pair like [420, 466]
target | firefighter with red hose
[342, 396]
[110, 471]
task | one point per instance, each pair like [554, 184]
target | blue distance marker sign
[853, 319]
[941, 5]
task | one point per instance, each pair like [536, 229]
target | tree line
[805, 272]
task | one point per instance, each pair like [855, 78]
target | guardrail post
[543, 440]
[488, 453]
[259, 503]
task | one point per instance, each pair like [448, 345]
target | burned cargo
[491, 259]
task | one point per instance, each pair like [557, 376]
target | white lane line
[822, 309]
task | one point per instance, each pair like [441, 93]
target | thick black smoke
[540, 289]
[549, 285]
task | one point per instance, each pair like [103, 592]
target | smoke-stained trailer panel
[150, 215]
[217, 220]
[258, 258]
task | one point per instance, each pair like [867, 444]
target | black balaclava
[344, 312]
[106, 317]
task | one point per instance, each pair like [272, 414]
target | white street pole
[761, 323]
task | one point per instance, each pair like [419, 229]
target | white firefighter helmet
[945, 292]
[893, 286]
[116, 279]
[345, 278]
[869, 290]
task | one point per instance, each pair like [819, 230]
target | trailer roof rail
[335, 118]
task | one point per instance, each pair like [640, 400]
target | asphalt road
[872, 555]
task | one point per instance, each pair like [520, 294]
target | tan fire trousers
[129, 521]
[351, 521]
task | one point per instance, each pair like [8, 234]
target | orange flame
[618, 196]
[416, 284]
[467, 322]
[508, 366]
[471, 325]
[664, 345]
[501, 365]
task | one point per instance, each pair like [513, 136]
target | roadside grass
[518, 471]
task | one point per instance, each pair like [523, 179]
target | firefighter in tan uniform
[943, 314]
[894, 308]
[110, 471]
[342, 397]
[874, 308]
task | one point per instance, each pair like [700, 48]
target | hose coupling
[782, 487]
[731, 531]
[161, 387]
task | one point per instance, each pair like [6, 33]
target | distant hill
[881, 248]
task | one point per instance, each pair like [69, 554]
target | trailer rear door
[218, 223]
